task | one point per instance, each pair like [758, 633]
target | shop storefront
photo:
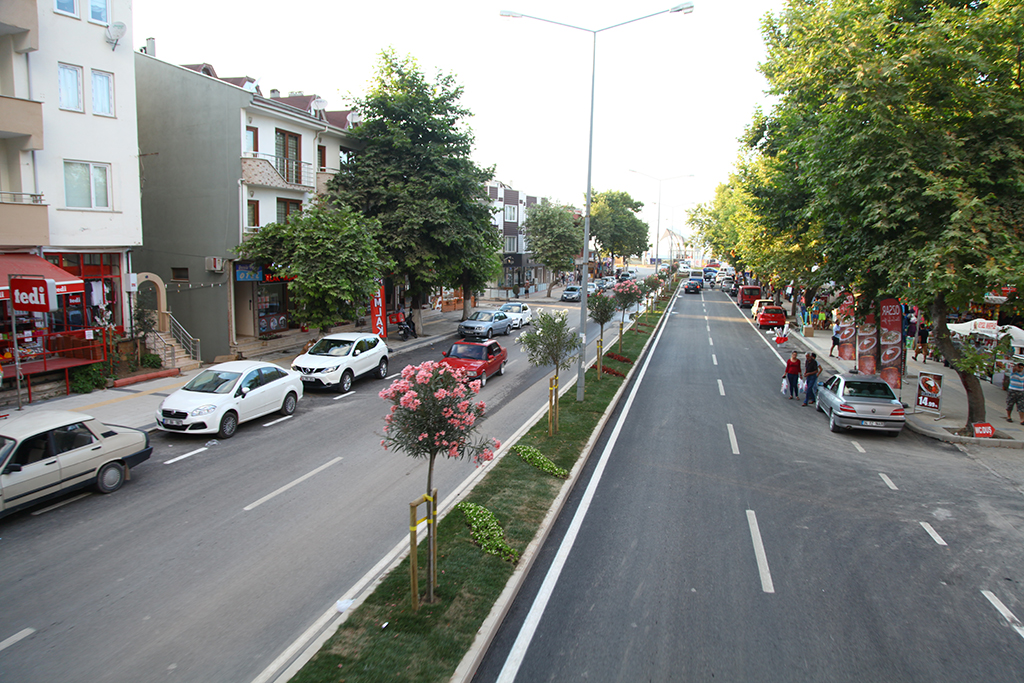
[261, 301]
[98, 303]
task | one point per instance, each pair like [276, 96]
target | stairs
[171, 353]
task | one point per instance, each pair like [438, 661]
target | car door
[78, 452]
[253, 402]
[273, 387]
[493, 361]
[361, 360]
[31, 471]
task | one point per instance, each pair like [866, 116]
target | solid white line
[714, 359]
[721, 388]
[20, 635]
[858, 447]
[711, 341]
[298, 481]
[61, 504]
[187, 455]
[732, 440]
[345, 395]
[1007, 614]
[931, 532]
[522, 643]
[888, 482]
[762, 560]
[280, 419]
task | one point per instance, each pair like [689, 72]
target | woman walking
[793, 375]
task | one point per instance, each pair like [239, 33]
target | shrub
[151, 360]
[536, 458]
[88, 377]
[486, 531]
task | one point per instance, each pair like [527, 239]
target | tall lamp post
[657, 230]
[685, 8]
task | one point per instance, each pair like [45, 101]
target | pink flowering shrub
[627, 293]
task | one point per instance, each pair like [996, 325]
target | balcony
[24, 221]
[20, 19]
[21, 122]
[267, 170]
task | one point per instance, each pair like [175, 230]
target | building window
[70, 87]
[511, 213]
[179, 274]
[511, 243]
[252, 216]
[321, 158]
[287, 148]
[252, 140]
[86, 185]
[102, 93]
[69, 7]
[286, 207]
[98, 11]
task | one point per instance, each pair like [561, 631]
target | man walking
[1015, 393]
[811, 377]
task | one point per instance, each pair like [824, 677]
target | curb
[955, 438]
[156, 374]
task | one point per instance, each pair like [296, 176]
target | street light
[685, 8]
[657, 239]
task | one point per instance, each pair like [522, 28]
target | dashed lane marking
[187, 455]
[931, 532]
[1007, 614]
[888, 482]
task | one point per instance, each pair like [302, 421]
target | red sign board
[929, 392]
[377, 319]
[983, 430]
[890, 352]
[38, 295]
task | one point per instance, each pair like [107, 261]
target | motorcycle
[406, 330]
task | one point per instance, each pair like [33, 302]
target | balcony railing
[291, 171]
[20, 198]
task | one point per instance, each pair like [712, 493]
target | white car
[223, 396]
[337, 359]
[521, 314]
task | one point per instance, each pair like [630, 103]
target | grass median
[383, 639]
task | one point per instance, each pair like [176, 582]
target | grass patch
[384, 639]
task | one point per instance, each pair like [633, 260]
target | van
[748, 294]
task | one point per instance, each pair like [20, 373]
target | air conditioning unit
[215, 264]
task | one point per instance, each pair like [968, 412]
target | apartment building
[519, 270]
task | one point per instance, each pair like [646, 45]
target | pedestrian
[1015, 393]
[835, 338]
[810, 377]
[793, 375]
[922, 341]
[912, 328]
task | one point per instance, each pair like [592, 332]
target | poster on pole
[378, 322]
[890, 358]
[929, 392]
[867, 346]
[847, 330]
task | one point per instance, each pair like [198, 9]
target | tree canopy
[555, 236]
[614, 224]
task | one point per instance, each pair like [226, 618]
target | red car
[771, 316]
[478, 359]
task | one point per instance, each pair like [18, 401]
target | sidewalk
[954, 398]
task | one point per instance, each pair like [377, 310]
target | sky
[673, 92]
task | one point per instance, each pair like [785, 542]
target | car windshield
[512, 308]
[331, 347]
[868, 390]
[468, 351]
[481, 315]
[213, 382]
[6, 444]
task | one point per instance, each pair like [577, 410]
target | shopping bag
[802, 385]
[785, 385]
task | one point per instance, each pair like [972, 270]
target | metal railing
[20, 198]
[160, 346]
[189, 343]
[291, 170]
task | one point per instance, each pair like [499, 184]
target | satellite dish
[115, 32]
[354, 119]
[319, 104]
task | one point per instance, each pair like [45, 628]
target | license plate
[308, 378]
[173, 421]
[870, 423]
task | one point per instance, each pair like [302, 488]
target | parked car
[747, 295]
[591, 289]
[486, 323]
[479, 360]
[337, 359]
[571, 293]
[521, 314]
[223, 396]
[756, 307]
[771, 316]
[860, 402]
[726, 284]
[46, 453]
[691, 287]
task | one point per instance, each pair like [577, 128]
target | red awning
[30, 264]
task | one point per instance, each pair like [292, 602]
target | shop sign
[248, 272]
[867, 346]
[983, 430]
[890, 358]
[847, 330]
[38, 295]
[929, 392]
[377, 318]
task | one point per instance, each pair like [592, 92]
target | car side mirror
[356, 352]
[445, 354]
[13, 467]
[244, 391]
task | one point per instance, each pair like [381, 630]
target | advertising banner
[891, 350]
[34, 294]
[929, 392]
[378, 322]
[867, 346]
[847, 331]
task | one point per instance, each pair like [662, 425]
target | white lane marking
[762, 560]
[888, 482]
[20, 635]
[1007, 614]
[858, 447]
[529, 627]
[711, 341]
[187, 455]
[345, 395]
[280, 419]
[721, 388]
[931, 532]
[732, 440]
[298, 481]
[714, 359]
[61, 504]
[705, 318]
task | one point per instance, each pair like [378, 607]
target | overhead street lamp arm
[685, 8]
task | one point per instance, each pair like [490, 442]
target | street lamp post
[657, 239]
[685, 8]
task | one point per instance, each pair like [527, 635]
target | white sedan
[223, 396]
[521, 314]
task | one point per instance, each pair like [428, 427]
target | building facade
[519, 271]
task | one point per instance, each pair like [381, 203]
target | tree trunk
[551, 285]
[467, 300]
[415, 313]
[972, 385]
[431, 532]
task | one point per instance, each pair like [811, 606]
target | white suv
[337, 359]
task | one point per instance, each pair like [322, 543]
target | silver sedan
[485, 324]
[860, 402]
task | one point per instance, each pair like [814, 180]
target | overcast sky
[673, 92]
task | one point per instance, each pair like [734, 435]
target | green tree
[614, 224]
[334, 256]
[601, 308]
[414, 174]
[555, 236]
[552, 341]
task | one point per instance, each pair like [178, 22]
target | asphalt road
[219, 554]
[723, 533]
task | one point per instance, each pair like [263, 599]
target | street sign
[983, 430]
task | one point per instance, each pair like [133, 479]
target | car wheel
[490, 332]
[508, 330]
[501, 368]
[382, 368]
[288, 406]
[832, 424]
[228, 425]
[817, 405]
[345, 384]
[110, 477]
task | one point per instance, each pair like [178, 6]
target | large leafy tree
[555, 236]
[615, 225]
[414, 174]
[334, 256]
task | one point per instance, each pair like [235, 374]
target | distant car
[223, 396]
[486, 323]
[479, 360]
[860, 402]
[691, 287]
[747, 295]
[571, 293]
[337, 359]
[46, 453]
[521, 314]
[771, 316]
[756, 307]
[591, 289]
[726, 284]
[698, 281]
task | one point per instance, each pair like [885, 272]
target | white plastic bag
[802, 386]
[785, 386]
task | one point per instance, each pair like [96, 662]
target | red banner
[377, 319]
[983, 430]
[891, 350]
[867, 347]
[847, 331]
